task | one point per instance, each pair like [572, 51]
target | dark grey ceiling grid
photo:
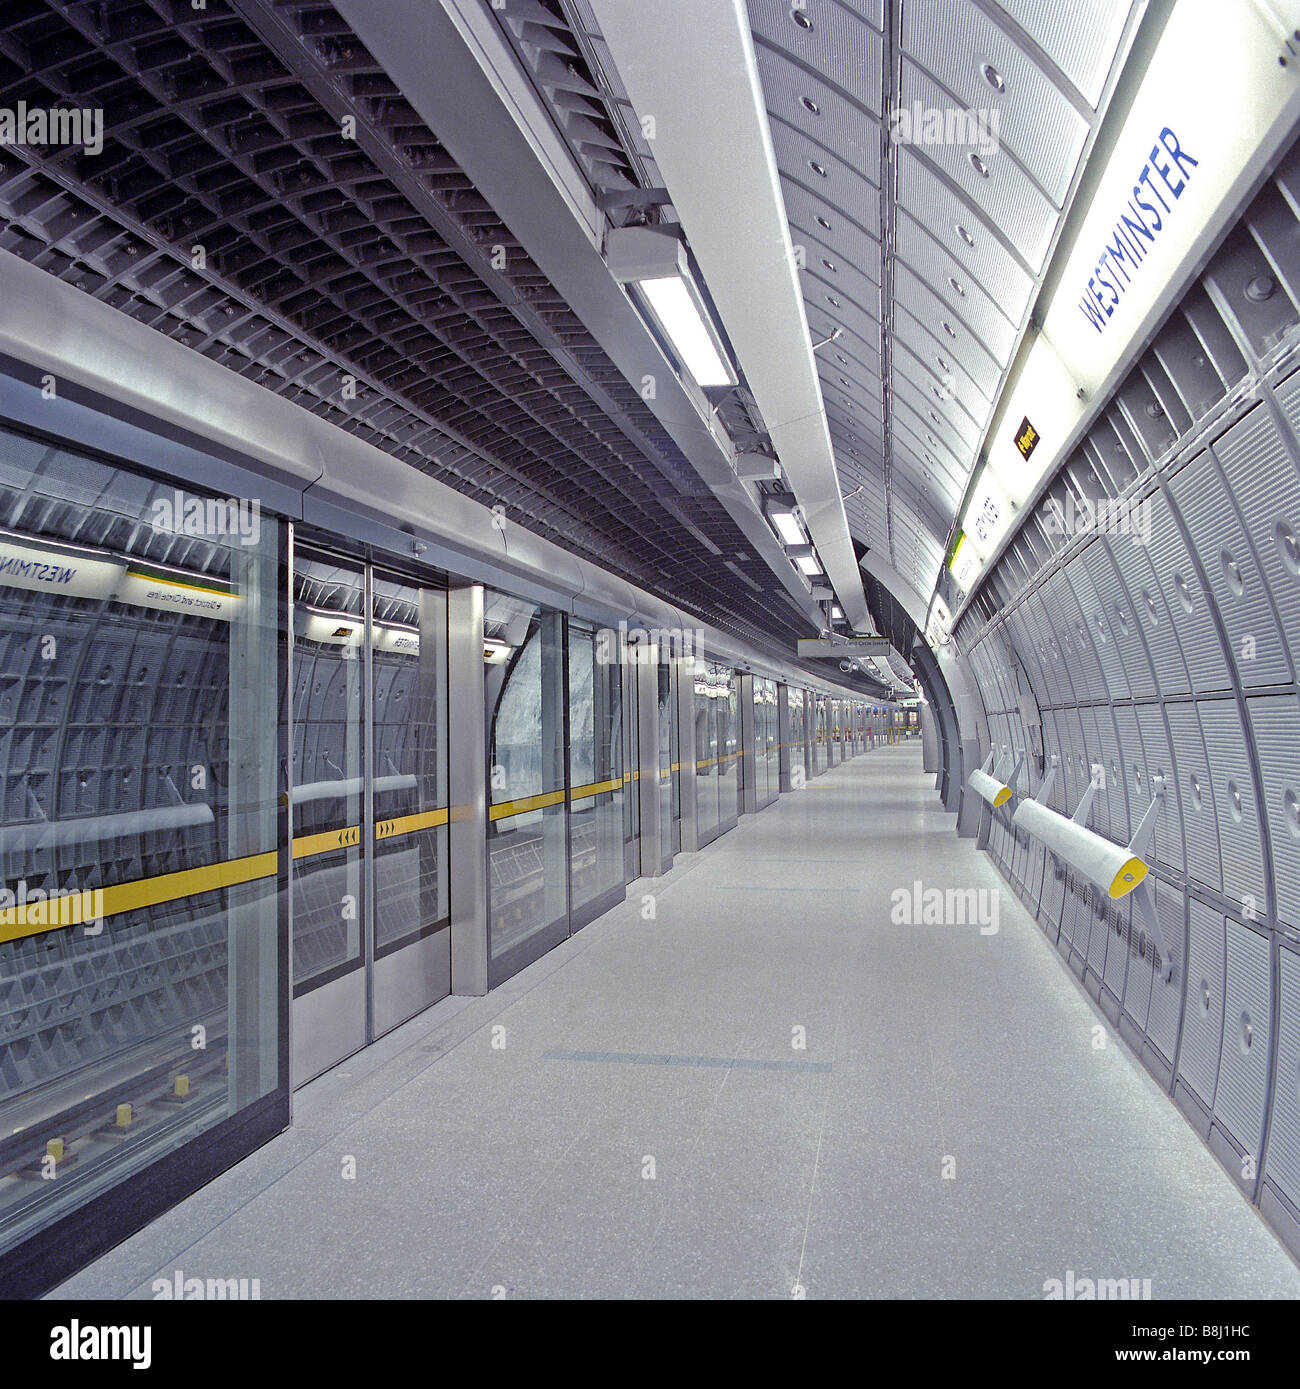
[370, 256]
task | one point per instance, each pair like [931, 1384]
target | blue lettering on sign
[35, 570]
[1163, 178]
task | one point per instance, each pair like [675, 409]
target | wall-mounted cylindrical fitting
[988, 788]
[1112, 867]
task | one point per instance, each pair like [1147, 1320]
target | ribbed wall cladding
[1198, 1061]
[1165, 1011]
[1282, 1162]
[1243, 1061]
[1164, 648]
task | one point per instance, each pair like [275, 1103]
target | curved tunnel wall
[1158, 636]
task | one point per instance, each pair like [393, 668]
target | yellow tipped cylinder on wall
[181, 1087]
[124, 1116]
[1112, 867]
[54, 1149]
[988, 788]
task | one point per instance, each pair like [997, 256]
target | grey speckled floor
[949, 1130]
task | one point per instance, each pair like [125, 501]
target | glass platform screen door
[371, 938]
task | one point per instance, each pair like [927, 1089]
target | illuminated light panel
[674, 306]
[788, 528]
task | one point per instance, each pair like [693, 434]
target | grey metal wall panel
[997, 838]
[1010, 196]
[1016, 734]
[1232, 573]
[1019, 853]
[1132, 761]
[1070, 914]
[1141, 962]
[1094, 753]
[1118, 604]
[1053, 621]
[1062, 798]
[1099, 625]
[918, 350]
[1098, 929]
[1275, 722]
[1089, 678]
[1008, 846]
[853, 191]
[1282, 1161]
[927, 307]
[998, 733]
[1118, 926]
[1050, 896]
[987, 260]
[1168, 846]
[1186, 600]
[1287, 393]
[1195, 795]
[1261, 474]
[1034, 877]
[1243, 1064]
[1081, 40]
[956, 430]
[1235, 805]
[1166, 998]
[1056, 624]
[932, 263]
[840, 45]
[1198, 1063]
[1133, 556]
[1118, 810]
[1040, 127]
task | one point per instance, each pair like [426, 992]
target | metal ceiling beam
[691, 69]
[479, 106]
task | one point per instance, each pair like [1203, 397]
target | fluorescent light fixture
[809, 564]
[653, 259]
[787, 526]
[679, 316]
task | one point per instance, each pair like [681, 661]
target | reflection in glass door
[411, 942]
[596, 793]
[369, 806]
[727, 684]
[528, 861]
[670, 793]
[631, 799]
[328, 781]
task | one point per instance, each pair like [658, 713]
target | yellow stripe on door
[144, 892]
[506, 809]
[595, 788]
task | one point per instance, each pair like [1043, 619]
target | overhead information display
[844, 646]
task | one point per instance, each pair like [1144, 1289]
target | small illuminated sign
[1026, 438]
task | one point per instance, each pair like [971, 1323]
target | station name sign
[844, 646]
[1162, 180]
